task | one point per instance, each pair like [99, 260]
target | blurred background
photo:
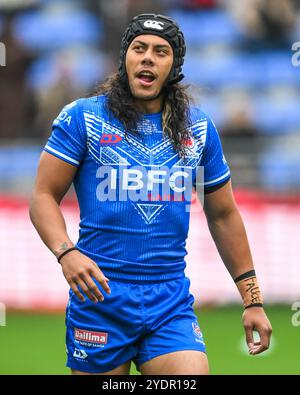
[239, 66]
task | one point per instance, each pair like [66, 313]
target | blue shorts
[135, 322]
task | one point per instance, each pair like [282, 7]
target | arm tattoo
[64, 246]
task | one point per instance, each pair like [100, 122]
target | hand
[78, 269]
[255, 319]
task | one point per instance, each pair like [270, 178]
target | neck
[150, 106]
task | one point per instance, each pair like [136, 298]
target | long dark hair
[175, 114]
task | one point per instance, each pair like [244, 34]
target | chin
[145, 96]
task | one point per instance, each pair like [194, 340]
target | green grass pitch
[34, 343]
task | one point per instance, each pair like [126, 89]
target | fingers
[264, 343]
[81, 274]
[91, 289]
[88, 287]
[87, 291]
[249, 336]
[76, 291]
[99, 276]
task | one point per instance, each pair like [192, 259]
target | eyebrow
[158, 46]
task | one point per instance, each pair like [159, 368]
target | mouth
[146, 78]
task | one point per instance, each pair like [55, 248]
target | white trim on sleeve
[62, 155]
[217, 179]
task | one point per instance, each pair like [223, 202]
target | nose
[148, 58]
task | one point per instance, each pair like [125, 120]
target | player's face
[149, 60]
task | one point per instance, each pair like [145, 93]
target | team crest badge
[197, 330]
[189, 143]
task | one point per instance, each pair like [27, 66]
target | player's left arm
[228, 231]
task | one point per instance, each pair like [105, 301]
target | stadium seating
[203, 28]
[57, 31]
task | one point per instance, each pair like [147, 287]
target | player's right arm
[53, 180]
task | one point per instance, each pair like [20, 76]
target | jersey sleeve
[216, 169]
[67, 140]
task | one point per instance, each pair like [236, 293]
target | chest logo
[108, 139]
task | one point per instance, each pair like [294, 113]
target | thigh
[120, 370]
[172, 325]
[102, 337]
[188, 362]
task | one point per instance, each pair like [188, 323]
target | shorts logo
[90, 337]
[81, 354]
[150, 24]
[197, 330]
[107, 138]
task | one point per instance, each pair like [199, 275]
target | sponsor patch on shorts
[90, 337]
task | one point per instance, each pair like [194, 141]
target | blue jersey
[134, 190]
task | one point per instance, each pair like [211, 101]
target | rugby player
[134, 152]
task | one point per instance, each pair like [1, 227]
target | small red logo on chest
[110, 138]
[188, 143]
